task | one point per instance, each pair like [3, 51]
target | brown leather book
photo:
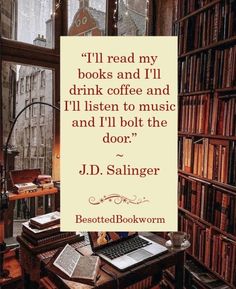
[210, 162]
[194, 197]
[205, 157]
[45, 221]
[39, 234]
[50, 239]
[218, 208]
[195, 162]
[51, 245]
[200, 160]
[208, 247]
[214, 115]
[224, 220]
[198, 202]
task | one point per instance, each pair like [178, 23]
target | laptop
[123, 250]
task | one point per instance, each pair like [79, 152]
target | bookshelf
[206, 30]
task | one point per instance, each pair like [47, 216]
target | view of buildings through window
[34, 130]
[32, 21]
[88, 18]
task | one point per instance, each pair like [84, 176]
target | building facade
[89, 21]
[33, 132]
[33, 135]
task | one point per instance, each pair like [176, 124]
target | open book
[80, 268]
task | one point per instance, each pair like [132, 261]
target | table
[151, 267]
[38, 193]
[8, 214]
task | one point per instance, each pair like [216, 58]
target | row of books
[201, 114]
[224, 116]
[211, 25]
[194, 113]
[225, 67]
[213, 159]
[188, 6]
[211, 248]
[209, 203]
[207, 69]
[195, 272]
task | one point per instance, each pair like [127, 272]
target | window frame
[29, 54]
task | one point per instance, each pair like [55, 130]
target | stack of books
[45, 230]
[45, 181]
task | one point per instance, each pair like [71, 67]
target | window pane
[29, 21]
[87, 18]
[132, 17]
[32, 137]
[31, 142]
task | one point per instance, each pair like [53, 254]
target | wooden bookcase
[207, 132]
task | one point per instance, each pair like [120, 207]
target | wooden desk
[8, 214]
[38, 193]
[31, 264]
[149, 268]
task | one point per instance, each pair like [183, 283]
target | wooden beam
[24, 53]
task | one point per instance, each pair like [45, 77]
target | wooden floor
[15, 278]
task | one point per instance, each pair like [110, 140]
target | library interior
[34, 253]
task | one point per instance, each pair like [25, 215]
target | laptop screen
[99, 239]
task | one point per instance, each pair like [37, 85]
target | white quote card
[118, 133]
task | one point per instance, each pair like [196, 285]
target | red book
[218, 208]
[208, 247]
[224, 220]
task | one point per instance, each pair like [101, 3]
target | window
[34, 108]
[26, 163]
[31, 127]
[41, 164]
[42, 135]
[25, 152]
[132, 17]
[84, 20]
[33, 135]
[27, 83]
[33, 81]
[42, 107]
[29, 21]
[87, 17]
[27, 110]
[34, 164]
[99, 17]
[26, 135]
[43, 78]
[31, 24]
[22, 87]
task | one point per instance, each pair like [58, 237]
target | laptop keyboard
[124, 247]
